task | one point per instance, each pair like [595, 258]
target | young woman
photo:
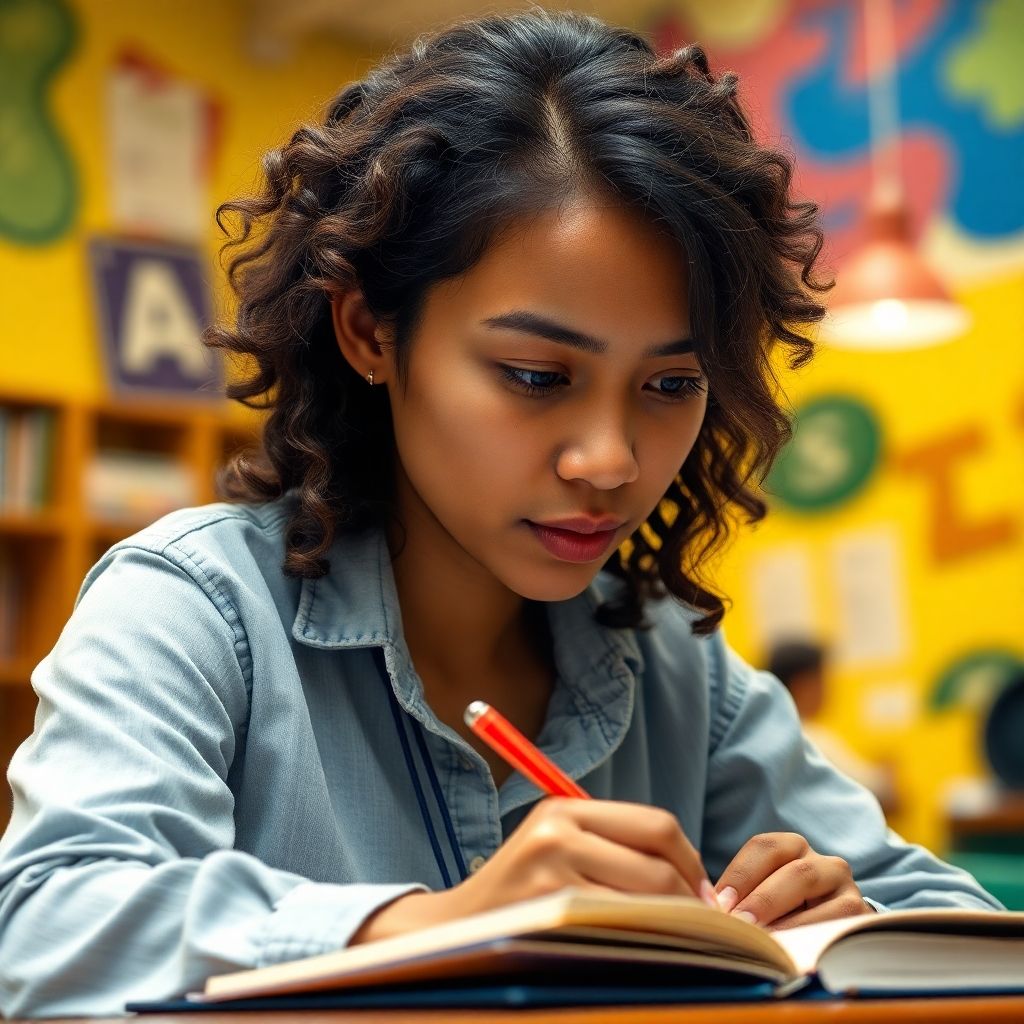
[512, 307]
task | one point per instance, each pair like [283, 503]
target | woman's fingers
[792, 887]
[590, 843]
[848, 903]
[649, 830]
[778, 877]
[758, 858]
[607, 863]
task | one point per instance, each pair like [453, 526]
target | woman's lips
[571, 546]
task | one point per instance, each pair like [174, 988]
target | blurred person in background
[800, 666]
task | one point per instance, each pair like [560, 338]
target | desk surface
[1004, 814]
[926, 1011]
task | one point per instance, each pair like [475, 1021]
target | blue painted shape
[831, 120]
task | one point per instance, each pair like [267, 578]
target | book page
[806, 944]
[546, 917]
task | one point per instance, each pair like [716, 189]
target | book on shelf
[8, 603]
[26, 458]
[134, 485]
[593, 942]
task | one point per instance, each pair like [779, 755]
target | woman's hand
[597, 845]
[593, 844]
[777, 880]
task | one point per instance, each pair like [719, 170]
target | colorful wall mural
[961, 95]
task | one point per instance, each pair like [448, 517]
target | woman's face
[603, 431]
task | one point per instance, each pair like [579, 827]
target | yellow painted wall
[953, 607]
[49, 343]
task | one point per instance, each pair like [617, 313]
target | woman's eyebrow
[533, 323]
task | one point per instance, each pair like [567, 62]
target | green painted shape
[1001, 874]
[835, 449]
[974, 680]
[38, 190]
[988, 65]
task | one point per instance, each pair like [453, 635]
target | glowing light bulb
[890, 316]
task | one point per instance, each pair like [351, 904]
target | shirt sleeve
[118, 877]
[764, 776]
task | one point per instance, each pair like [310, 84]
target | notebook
[577, 940]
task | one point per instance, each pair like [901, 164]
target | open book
[573, 937]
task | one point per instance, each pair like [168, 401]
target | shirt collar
[356, 605]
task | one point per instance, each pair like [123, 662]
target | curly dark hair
[416, 168]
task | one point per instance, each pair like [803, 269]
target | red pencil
[508, 742]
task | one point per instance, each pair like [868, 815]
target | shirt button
[476, 864]
[466, 763]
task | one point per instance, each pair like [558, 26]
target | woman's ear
[359, 335]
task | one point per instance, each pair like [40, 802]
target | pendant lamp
[886, 296]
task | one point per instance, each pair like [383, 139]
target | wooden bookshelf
[49, 548]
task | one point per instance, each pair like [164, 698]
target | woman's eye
[675, 388]
[681, 387]
[530, 381]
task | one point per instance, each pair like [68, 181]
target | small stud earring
[369, 377]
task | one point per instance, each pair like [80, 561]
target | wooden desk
[971, 1010]
[1004, 815]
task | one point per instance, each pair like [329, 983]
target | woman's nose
[601, 453]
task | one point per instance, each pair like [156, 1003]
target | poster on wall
[153, 301]
[161, 140]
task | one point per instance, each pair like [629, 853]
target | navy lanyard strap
[439, 797]
[396, 714]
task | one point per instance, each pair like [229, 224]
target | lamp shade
[886, 296]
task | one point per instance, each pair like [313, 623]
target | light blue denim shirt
[215, 780]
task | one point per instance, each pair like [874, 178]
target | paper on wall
[783, 605]
[159, 142]
[870, 602]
